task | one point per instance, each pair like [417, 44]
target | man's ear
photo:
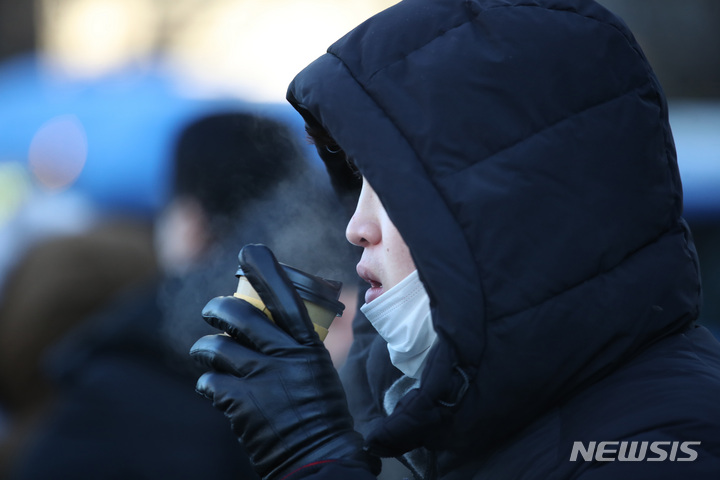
[181, 234]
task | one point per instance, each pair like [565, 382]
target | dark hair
[319, 137]
[224, 159]
[344, 174]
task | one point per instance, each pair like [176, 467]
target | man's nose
[362, 230]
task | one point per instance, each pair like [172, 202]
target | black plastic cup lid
[320, 291]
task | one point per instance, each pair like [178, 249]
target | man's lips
[372, 293]
[376, 287]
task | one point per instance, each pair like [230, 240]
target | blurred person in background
[60, 283]
[125, 404]
[60, 263]
[533, 285]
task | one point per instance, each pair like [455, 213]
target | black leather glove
[275, 381]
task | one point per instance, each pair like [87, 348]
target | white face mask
[402, 317]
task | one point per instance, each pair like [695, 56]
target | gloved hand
[275, 381]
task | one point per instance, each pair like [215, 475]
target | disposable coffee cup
[319, 295]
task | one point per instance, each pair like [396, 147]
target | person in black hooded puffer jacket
[522, 150]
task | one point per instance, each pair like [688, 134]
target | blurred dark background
[682, 40]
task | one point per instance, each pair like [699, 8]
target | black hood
[522, 149]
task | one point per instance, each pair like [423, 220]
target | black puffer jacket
[523, 150]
